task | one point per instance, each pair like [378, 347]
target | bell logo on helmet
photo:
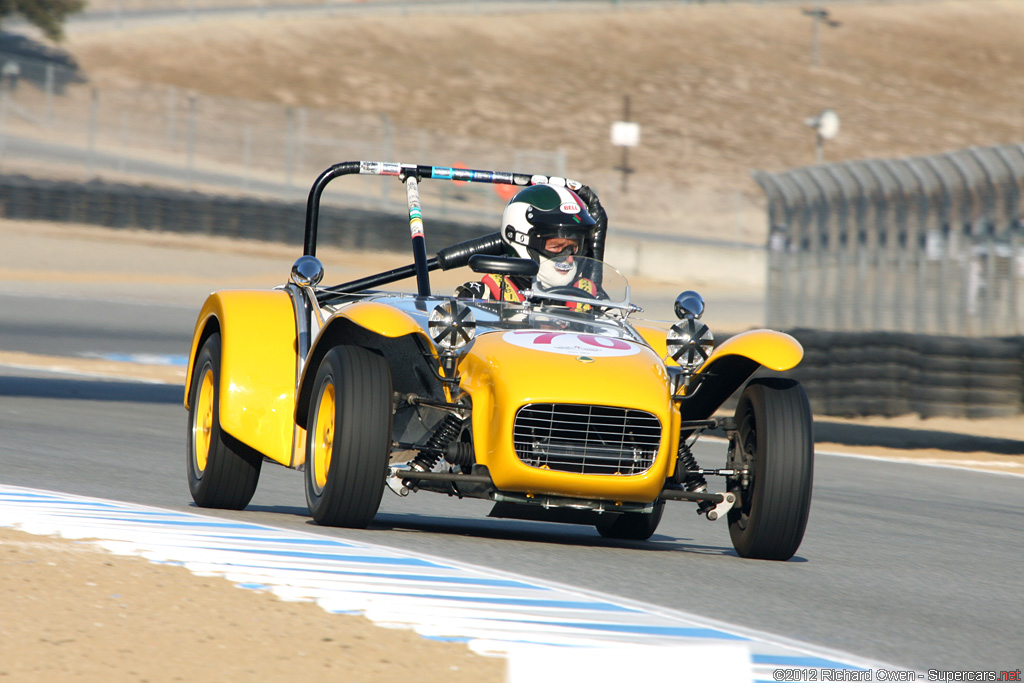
[570, 207]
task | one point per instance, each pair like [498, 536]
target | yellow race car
[555, 405]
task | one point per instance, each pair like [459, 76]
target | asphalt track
[915, 566]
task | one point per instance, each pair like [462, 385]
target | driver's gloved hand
[471, 290]
[599, 215]
[594, 207]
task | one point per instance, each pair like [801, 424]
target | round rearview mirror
[307, 271]
[689, 304]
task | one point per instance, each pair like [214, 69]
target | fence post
[820, 239]
[946, 218]
[94, 104]
[861, 278]
[969, 279]
[289, 165]
[842, 244]
[921, 258]
[802, 243]
[902, 241]
[172, 110]
[190, 154]
[3, 122]
[122, 161]
[778, 228]
[1013, 224]
[246, 156]
[989, 321]
[48, 93]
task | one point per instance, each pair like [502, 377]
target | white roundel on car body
[571, 343]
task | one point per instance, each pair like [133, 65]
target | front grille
[586, 439]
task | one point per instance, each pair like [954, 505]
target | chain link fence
[928, 245]
[48, 111]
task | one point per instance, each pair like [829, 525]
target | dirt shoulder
[74, 612]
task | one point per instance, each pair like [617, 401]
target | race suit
[510, 288]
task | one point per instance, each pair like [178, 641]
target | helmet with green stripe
[541, 212]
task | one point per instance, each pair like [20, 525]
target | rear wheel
[775, 445]
[348, 437]
[222, 472]
[633, 526]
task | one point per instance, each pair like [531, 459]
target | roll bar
[451, 257]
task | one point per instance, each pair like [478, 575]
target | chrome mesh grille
[586, 439]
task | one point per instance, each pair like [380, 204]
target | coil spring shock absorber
[692, 481]
[444, 434]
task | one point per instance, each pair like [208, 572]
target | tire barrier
[851, 374]
[115, 205]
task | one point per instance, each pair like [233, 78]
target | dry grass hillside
[718, 89]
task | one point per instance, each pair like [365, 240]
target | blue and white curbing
[542, 628]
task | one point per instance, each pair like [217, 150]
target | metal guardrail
[931, 245]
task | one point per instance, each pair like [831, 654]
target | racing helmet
[539, 213]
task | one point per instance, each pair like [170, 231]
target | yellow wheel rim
[203, 424]
[323, 436]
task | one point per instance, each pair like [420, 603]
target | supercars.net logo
[892, 675]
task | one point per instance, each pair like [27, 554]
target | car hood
[517, 367]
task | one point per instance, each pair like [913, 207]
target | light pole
[818, 14]
[625, 134]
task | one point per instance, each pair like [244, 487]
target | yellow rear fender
[732, 363]
[257, 366]
[387, 331]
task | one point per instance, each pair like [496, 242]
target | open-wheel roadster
[559, 407]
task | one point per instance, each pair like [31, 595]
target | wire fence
[930, 245]
[48, 110]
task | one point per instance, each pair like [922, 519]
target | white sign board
[625, 134]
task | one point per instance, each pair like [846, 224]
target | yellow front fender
[732, 363]
[774, 350]
[257, 367]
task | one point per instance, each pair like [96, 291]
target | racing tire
[348, 440]
[633, 526]
[222, 471]
[775, 440]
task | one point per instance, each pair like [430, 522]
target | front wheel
[348, 437]
[222, 472]
[774, 445]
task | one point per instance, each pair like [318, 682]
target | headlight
[452, 325]
[690, 342]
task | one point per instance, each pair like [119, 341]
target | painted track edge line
[750, 635]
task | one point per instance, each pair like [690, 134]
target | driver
[545, 223]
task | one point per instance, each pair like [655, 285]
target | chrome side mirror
[689, 304]
[307, 271]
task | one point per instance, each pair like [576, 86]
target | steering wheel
[569, 290]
